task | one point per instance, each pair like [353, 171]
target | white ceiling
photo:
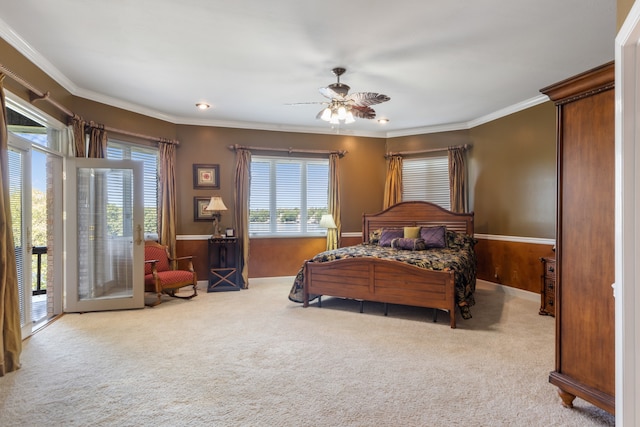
[445, 64]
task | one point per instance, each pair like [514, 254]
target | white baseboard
[520, 293]
[267, 280]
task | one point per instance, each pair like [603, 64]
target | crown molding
[36, 57]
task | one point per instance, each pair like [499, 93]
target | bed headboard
[416, 214]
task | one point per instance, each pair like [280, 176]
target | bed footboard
[380, 280]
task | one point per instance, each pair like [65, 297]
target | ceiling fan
[344, 107]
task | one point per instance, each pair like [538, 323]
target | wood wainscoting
[509, 262]
[198, 247]
[512, 263]
[268, 257]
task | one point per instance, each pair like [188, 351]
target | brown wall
[512, 171]
[623, 8]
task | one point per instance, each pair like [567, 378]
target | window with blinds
[288, 196]
[426, 179]
[15, 160]
[149, 157]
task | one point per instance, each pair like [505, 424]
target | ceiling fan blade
[307, 103]
[327, 92]
[364, 99]
[363, 112]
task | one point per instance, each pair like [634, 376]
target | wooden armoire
[585, 322]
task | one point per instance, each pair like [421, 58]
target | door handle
[139, 232]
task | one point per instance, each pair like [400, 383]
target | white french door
[104, 235]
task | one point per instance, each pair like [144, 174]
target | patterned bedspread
[459, 257]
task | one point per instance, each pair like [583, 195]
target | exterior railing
[39, 251]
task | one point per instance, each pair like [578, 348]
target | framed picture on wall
[206, 176]
[199, 212]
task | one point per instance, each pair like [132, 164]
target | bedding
[458, 255]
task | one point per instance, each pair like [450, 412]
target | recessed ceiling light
[383, 121]
[202, 105]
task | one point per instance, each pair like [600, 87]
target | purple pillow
[434, 237]
[388, 235]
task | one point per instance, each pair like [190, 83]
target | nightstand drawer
[549, 267]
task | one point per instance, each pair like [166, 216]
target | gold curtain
[11, 338]
[241, 207]
[458, 179]
[79, 138]
[333, 234]
[97, 142]
[167, 211]
[393, 182]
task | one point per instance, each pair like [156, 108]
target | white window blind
[149, 157]
[426, 179]
[288, 195]
[15, 202]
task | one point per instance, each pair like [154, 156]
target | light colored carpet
[253, 358]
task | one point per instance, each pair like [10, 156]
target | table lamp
[215, 206]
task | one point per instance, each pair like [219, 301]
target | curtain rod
[429, 150]
[289, 150]
[38, 95]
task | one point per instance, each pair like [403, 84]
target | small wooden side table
[223, 264]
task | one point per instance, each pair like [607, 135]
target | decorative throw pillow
[408, 244]
[388, 235]
[411, 232]
[434, 237]
[374, 236]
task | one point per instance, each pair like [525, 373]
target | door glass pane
[105, 233]
[40, 216]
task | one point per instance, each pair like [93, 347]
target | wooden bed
[388, 281]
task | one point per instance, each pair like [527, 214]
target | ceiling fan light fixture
[383, 121]
[349, 118]
[326, 114]
[342, 112]
[343, 107]
[202, 105]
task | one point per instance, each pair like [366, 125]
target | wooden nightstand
[548, 291]
[223, 264]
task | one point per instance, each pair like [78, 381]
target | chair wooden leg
[172, 293]
[156, 302]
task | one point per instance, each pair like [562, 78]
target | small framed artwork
[230, 232]
[206, 176]
[199, 212]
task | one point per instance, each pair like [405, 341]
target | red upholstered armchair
[161, 273]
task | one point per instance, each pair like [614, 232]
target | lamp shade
[327, 221]
[216, 204]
